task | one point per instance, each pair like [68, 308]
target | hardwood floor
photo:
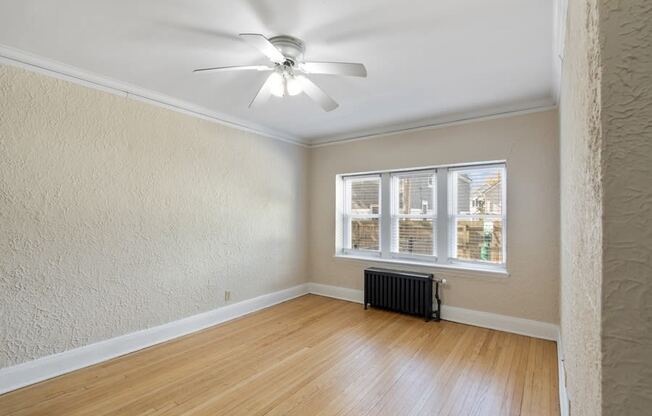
[313, 356]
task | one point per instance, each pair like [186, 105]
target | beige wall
[606, 199]
[626, 116]
[117, 215]
[581, 209]
[528, 143]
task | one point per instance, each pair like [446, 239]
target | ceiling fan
[289, 71]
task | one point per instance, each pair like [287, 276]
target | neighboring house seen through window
[477, 214]
[414, 223]
[362, 212]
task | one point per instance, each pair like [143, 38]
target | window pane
[415, 236]
[479, 191]
[365, 196]
[415, 194]
[480, 240]
[365, 234]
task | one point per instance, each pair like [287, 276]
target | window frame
[453, 217]
[348, 217]
[444, 222]
[396, 217]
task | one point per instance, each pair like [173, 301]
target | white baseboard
[505, 323]
[12, 378]
[564, 404]
[336, 292]
[536, 329]
[31, 372]
[531, 328]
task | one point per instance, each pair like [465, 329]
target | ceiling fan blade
[237, 68]
[263, 44]
[335, 68]
[317, 94]
[264, 92]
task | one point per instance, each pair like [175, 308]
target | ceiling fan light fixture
[284, 83]
[293, 85]
[290, 73]
[277, 84]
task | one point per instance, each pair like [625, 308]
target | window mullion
[385, 215]
[442, 251]
[346, 231]
[346, 215]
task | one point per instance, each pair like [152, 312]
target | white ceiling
[427, 60]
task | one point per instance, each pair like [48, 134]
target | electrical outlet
[227, 295]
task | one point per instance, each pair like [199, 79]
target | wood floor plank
[397, 393]
[313, 356]
[93, 382]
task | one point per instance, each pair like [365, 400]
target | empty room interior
[309, 207]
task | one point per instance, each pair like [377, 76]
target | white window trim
[461, 268]
[394, 216]
[452, 217]
[347, 217]
[443, 220]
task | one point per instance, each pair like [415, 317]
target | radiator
[405, 292]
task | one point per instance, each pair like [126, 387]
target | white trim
[413, 258]
[21, 375]
[89, 79]
[461, 165]
[386, 208]
[436, 123]
[531, 328]
[31, 372]
[443, 231]
[465, 268]
[336, 292]
[564, 404]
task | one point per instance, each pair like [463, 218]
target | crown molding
[31, 62]
[21, 59]
[438, 122]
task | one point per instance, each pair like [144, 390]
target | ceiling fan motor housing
[291, 47]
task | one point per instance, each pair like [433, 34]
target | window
[477, 215]
[444, 216]
[362, 213]
[413, 213]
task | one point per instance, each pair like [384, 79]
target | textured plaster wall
[581, 208]
[529, 143]
[606, 195]
[116, 215]
[626, 45]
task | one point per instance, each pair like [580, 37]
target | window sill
[455, 268]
